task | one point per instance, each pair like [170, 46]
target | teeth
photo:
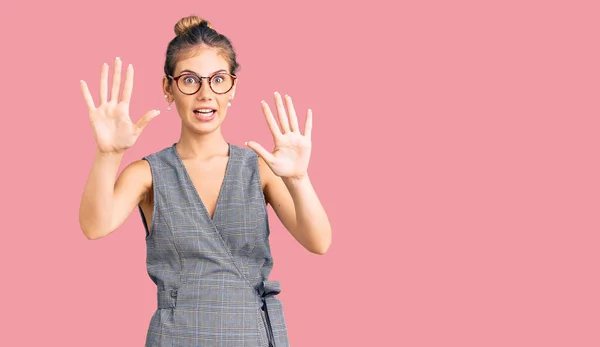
[204, 111]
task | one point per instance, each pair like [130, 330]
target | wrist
[293, 181]
[109, 155]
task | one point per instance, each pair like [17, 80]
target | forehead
[202, 60]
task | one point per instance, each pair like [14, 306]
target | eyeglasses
[189, 83]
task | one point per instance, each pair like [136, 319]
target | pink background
[456, 151]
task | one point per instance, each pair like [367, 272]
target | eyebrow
[195, 73]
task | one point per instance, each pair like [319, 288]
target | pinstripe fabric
[211, 274]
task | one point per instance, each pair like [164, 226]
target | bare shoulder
[136, 179]
[139, 169]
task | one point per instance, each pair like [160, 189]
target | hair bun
[189, 22]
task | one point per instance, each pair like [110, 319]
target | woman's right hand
[113, 129]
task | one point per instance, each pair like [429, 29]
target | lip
[205, 108]
[204, 118]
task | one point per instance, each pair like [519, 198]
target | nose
[205, 93]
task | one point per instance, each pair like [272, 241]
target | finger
[142, 122]
[103, 83]
[128, 85]
[261, 151]
[87, 96]
[292, 113]
[116, 82]
[283, 120]
[308, 124]
[270, 120]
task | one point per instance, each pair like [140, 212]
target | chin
[205, 127]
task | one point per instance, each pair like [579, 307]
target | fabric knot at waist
[167, 298]
[268, 288]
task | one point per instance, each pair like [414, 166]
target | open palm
[113, 129]
[291, 154]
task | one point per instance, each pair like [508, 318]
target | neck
[201, 146]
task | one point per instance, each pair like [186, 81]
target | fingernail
[246, 143]
[276, 93]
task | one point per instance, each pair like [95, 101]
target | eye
[190, 79]
[218, 79]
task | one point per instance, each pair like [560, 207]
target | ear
[233, 92]
[167, 90]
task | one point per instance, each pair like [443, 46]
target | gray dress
[211, 273]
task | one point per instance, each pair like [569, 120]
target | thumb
[261, 151]
[142, 122]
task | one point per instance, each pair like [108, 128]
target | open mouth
[205, 112]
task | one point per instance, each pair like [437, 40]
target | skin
[108, 200]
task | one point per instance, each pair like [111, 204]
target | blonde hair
[186, 23]
[193, 32]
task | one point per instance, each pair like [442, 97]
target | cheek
[223, 102]
[185, 102]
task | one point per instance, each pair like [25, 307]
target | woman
[203, 200]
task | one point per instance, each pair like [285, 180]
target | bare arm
[287, 186]
[298, 207]
[105, 204]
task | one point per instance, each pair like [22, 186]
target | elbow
[321, 248]
[93, 229]
[89, 232]
[319, 251]
[85, 226]
[92, 237]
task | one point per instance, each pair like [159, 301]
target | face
[204, 111]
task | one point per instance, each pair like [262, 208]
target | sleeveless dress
[212, 274]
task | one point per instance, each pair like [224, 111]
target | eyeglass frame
[176, 79]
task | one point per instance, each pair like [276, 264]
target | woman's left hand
[291, 154]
